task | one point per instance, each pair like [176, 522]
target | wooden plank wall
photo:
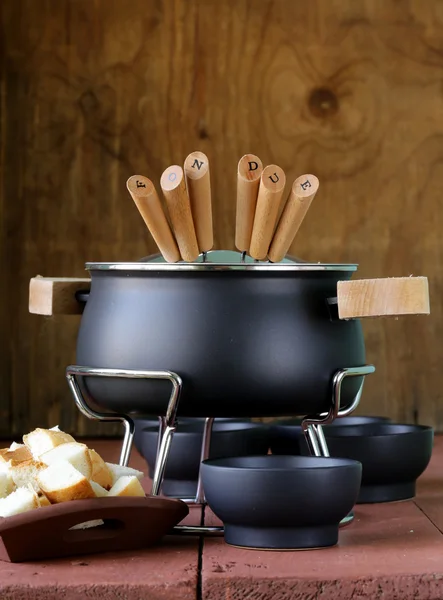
[93, 91]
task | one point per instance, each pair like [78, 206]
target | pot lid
[218, 260]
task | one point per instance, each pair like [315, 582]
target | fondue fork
[145, 197]
[173, 186]
[302, 194]
[272, 185]
[249, 171]
[196, 168]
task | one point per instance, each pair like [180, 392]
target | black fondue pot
[247, 338]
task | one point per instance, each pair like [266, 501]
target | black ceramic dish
[286, 436]
[141, 424]
[229, 438]
[281, 502]
[393, 457]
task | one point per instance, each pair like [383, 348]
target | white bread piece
[128, 485]
[99, 491]
[15, 446]
[39, 497]
[88, 524]
[40, 440]
[27, 472]
[5, 467]
[118, 471]
[55, 428]
[75, 453]
[6, 484]
[18, 502]
[100, 470]
[14, 457]
[62, 482]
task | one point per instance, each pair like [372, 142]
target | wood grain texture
[56, 296]
[383, 297]
[389, 551]
[93, 92]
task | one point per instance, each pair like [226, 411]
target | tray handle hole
[110, 528]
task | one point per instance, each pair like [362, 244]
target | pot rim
[193, 266]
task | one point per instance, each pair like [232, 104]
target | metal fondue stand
[311, 424]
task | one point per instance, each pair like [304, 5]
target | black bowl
[281, 502]
[393, 456]
[141, 424]
[286, 436]
[229, 438]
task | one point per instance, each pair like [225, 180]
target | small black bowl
[141, 424]
[281, 502]
[393, 456]
[229, 438]
[287, 437]
[152, 421]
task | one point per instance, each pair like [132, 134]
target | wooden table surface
[390, 551]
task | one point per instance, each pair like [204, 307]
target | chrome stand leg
[200, 494]
[206, 444]
[74, 371]
[161, 429]
[167, 429]
[312, 426]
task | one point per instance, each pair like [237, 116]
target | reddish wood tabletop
[168, 571]
[390, 551]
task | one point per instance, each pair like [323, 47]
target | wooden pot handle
[394, 296]
[391, 296]
[50, 296]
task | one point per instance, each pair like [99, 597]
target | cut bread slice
[14, 457]
[62, 482]
[40, 440]
[99, 491]
[6, 484]
[118, 471]
[15, 446]
[27, 472]
[128, 485]
[100, 470]
[18, 502]
[75, 453]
